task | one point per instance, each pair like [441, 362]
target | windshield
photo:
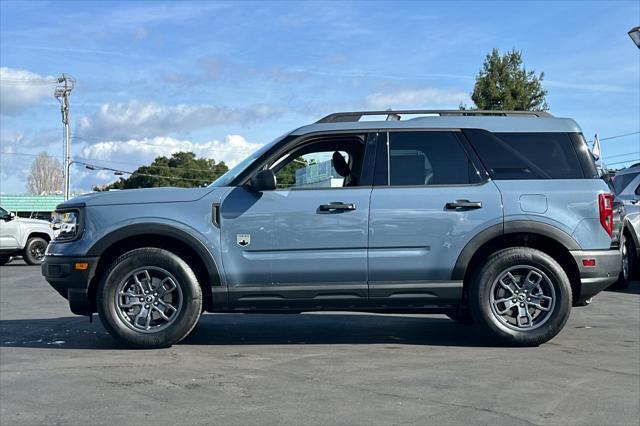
[231, 174]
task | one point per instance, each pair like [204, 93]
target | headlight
[66, 225]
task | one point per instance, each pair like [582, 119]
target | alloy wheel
[148, 299]
[37, 250]
[522, 298]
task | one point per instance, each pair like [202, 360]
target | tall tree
[182, 169]
[505, 84]
[46, 175]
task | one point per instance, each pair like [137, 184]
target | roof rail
[345, 117]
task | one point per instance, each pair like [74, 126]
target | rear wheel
[34, 250]
[522, 296]
[4, 259]
[149, 298]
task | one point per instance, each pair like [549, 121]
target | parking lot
[331, 368]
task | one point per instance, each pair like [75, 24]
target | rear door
[429, 199]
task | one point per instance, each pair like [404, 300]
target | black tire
[629, 269]
[187, 293]
[4, 259]
[461, 316]
[557, 290]
[34, 250]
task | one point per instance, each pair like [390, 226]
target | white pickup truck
[23, 237]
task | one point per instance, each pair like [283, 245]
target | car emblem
[243, 240]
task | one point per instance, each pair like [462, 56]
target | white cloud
[130, 154]
[137, 119]
[21, 89]
[423, 98]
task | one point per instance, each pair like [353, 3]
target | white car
[23, 237]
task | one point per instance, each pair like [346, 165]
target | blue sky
[223, 78]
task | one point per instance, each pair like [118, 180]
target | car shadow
[256, 329]
[632, 288]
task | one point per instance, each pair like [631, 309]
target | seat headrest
[340, 164]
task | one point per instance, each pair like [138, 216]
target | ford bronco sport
[497, 218]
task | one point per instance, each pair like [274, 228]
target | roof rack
[345, 117]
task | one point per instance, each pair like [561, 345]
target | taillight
[605, 206]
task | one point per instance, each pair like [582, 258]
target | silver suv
[497, 218]
[626, 184]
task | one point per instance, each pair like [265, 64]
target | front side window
[333, 162]
[428, 158]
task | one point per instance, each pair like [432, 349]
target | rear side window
[428, 158]
[527, 155]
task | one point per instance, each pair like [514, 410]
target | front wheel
[522, 296]
[34, 250]
[149, 298]
[4, 259]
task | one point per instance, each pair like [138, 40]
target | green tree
[505, 84]
[182, 169]
[286, 176]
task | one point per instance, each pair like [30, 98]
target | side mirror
[264, 180]
[10, 216]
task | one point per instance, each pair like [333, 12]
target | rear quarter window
[527, 155]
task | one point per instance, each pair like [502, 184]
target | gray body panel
[295, 252]
[413, 239]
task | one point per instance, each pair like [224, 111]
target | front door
[305, 243]
[428, 202]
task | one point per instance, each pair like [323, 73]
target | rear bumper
[594, 279]
[71, 283]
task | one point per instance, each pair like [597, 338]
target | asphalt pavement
[318, 368]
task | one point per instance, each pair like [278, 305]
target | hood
[33, 222]
[139, 196]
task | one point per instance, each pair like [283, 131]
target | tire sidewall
[185, 278]
[496, 265]
[631, 257]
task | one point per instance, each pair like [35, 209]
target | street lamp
[634, 33]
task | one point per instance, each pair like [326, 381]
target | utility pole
[62, 92]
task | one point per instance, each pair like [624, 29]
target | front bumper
[70, 282]
[594, 279]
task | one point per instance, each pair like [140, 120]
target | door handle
[215, 214]
[336, 205]
[463, 204]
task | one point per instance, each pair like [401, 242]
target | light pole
[634, 33]
[62, 92]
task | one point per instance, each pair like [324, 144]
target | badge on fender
[243, 240]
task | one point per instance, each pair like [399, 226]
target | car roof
[628, 170]
[504, 121]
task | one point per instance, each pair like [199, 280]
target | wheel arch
[166, 237]
[546, 238]
[37, 234]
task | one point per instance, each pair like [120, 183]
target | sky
[223, 78]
